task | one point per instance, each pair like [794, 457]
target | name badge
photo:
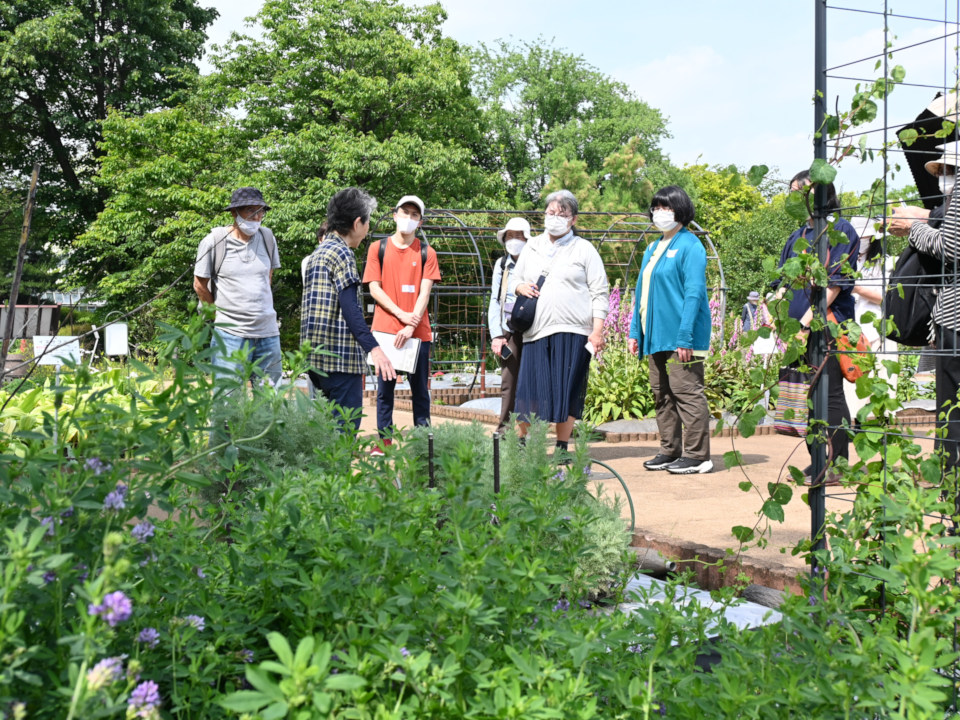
[672, 253]
[408, 288]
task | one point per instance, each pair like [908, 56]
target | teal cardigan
[678, 313]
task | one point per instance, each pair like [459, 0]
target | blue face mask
[248, 227]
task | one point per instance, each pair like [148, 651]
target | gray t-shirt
[244, 299]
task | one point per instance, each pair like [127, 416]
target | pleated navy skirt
[553, 378]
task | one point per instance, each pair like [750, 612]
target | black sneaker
[659, 462]
[689, 466]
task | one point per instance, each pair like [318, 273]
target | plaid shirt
[331, 268]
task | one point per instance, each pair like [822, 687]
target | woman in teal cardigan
[671, 326]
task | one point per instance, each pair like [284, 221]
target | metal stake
[496, 463]
[431, 483]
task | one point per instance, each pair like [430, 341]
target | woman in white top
[568, 326]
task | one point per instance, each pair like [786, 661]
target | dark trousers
[343, 389]
[419, 390]
[509, 374]
[837, 410]
[683, 415]
[948, 382]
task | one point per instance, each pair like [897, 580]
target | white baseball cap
[517, 223]
[411, 199]
[864, 226]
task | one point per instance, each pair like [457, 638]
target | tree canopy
[543, 106]
[64, 65]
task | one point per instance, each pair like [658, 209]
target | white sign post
[55, 350]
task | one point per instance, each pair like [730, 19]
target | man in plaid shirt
[330, 311]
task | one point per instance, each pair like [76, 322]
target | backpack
[918, 276]
[382, 251]
[220, 252]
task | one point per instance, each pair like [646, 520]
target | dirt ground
[674, 511]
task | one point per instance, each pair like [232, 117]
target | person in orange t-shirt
[401, 289]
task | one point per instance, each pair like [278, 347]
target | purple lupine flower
[144, 701]
[104, 673]
[196, 621]
[562, 605]
[199, 571]
[587, 470]
[149, 637]
[567, 518]
[142, 531]
[49, 576]
[115, 608]
[48, 522]
[67, 513]
[584, 604]
[97, 465]
[246, 655]
[404, 652]
[147, 560]
[558, 475]
[115, 499]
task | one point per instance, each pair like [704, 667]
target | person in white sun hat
[506, 345]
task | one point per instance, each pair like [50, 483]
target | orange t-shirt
[401, 283]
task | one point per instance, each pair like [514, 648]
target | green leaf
[780, 492]
[244, 701]
[908, 136]
[743, 534]
[280, 646]
[822, 172]
[796, 206]
[756, 174]
[773, 510]
[898, 73]
[731, 459]
[344, 682]
[745, 485]
[275, 711]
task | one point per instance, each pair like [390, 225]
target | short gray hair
[348, 205]
[565, 199]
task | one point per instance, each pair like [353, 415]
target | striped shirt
[943, 243]
[328, 271]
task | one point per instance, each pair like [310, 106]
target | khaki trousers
[683, 417]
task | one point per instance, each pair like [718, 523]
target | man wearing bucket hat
[234, 271]
[506, 345]
[401, 270]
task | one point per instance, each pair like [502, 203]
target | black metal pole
[430, 484]
[496, 463]
[18, 272]
[818, 339]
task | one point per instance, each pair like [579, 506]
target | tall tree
[538, 100]
[64, 65]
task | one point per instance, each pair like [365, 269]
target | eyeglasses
[251, 213]
[559, 215]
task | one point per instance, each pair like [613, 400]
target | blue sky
[734, 78]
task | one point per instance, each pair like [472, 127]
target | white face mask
[555, 225]
[946, 183]
[405, 226]
[664, 220]
[248, 227]
[514, 246]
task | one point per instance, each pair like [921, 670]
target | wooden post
[18, 272]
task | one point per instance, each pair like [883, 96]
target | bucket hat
[517, 223]
[951, 158]
[246, 197]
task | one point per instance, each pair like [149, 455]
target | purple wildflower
[97, 465]
[200, 573]
[115, 500]
[149, 637]
[196, 621]
[562, 605]
[104, 673]
[584, 603]
[67, 513]
[115, 609]
[147, 560]
[142, 531]
[144, 701]
[404, 652]
[49, 576]
[246, 655]
[49, 524]
[558, 476]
